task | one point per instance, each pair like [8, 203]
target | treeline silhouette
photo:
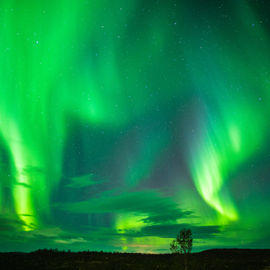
[221, 259]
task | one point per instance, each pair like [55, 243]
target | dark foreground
[212, 259]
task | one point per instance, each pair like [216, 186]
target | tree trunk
[185, 261]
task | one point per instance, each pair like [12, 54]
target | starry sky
[122, 122]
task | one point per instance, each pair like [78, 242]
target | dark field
[207, 260]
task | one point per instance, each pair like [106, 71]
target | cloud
[10, 223]
[157, 207]
[83, 181]
[70, 241]
[46, 237]
[22, 184]
[50, 232]
[171, 230]
[172, 215]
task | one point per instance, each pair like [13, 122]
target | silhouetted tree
[182, 244]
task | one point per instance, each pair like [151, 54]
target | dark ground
[238, 259]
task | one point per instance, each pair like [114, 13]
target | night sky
[122, 122]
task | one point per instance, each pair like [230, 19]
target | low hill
[219, 259]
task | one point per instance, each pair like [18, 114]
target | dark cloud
[171, 231]
[10, 223]
[159, 209]
[23, 184]
[171, 215]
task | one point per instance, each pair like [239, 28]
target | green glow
[208, 165]
[32, 57]
[125, 222]
[235, 138]
[164, 96]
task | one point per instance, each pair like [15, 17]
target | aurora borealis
[122, 122]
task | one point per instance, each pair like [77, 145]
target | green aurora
[122, 122]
